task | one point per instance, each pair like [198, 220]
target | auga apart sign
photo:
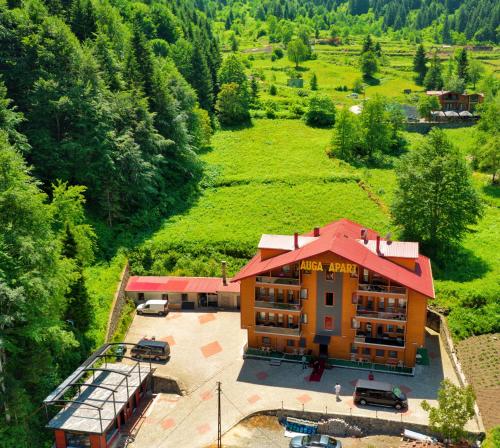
[330, 267]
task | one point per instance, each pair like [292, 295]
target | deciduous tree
[435, 201]
[297, 52]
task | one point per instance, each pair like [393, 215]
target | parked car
[120, 351]
[379, 394]
[150, 349]
[316, 440]
[158, 307]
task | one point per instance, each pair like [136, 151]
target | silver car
[315, 441]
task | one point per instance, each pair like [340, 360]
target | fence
[118, 303]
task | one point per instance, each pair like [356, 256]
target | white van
[159, 307]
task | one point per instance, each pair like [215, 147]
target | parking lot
[207, 348]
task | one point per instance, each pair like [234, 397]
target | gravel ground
[264, 431]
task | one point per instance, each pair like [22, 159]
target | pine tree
[314, 82]
[377, 49]
[433, 79]
[200, 78]
[83, 19]
[463, 65]
[144, 58]
[445, 34]
[420, 64]
[367, 44]
[254, 89]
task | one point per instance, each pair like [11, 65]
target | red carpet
[316, 374]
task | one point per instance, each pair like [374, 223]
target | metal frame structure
[87, 366]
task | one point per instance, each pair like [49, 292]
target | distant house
[458, 102]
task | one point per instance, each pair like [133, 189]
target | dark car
[379, 394]
[316, 440]
[151, 349]
[120, 351]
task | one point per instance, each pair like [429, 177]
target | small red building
[98, 399]
[458, 102]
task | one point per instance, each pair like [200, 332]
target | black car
[150, 349]
[379, 394]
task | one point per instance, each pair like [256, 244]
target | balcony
[265, 303]
[281, 281]
[381, 289]
[398, 314]
[385, 340]
[262, 327]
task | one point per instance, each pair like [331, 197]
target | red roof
[340, 238]
[211, 285]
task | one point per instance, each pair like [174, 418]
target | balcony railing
[294, 306]
[394, 342]
[389, 314]
[278, 280]
[286, 331]
[382, 288]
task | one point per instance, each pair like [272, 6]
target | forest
[123, 123]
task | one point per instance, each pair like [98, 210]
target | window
[365, 275]
[290, 343]
[369, 303]
[271, 316]
[140, 296]
[262, 316]
[381, 305]
[77, 440]
[164, 297]
[266, 340]
[329, 275]
[304, 318]
[184, 297]
[302, 342]
[328, 323]
[286, 268]
[354, 299]
[290, 295]
[329, 299]
[390, 328]
[262, 291]
[400, 329]
[354, 323]
[366, 351]
[380, 353]
[402, 303]
[280, 294]
[390, 302]
[303, 293]
[280, 318]
[354, 349]
[271, 294]
[290, 320]
[393, 354]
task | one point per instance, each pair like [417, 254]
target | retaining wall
[118, 303]
[425, 127]
[437, 322]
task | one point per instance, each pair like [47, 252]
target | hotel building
[340, 292]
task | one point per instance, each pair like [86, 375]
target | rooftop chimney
[224, 276]
[316, 231]
[378, 245]
[296, 240]
[364, 235]
[388, 238]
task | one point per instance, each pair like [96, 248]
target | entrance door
[323, 350]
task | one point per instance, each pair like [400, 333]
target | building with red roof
[340, 291]
[186, 292]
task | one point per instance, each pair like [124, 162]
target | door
[323, 350]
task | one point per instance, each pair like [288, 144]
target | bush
[320, 112]
[273, 57]
[261, 32]
[278, 52]
[297, 109]
[358, 86]
[302, 93]
[271, 109]
[273, 90]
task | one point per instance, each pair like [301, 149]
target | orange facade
[327, 305]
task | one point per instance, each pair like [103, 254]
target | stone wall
[425, 127]
[437, 322]
[118, 303]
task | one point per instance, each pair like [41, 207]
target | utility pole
[219, 432]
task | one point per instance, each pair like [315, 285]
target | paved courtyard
[207, 348]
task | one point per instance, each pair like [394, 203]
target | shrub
[320, 112]
[273, 57]
[273, 90]
[302, 93]
[358, 86]
[278, 52]
[297, 109]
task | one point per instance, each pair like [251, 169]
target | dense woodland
[105, 108]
